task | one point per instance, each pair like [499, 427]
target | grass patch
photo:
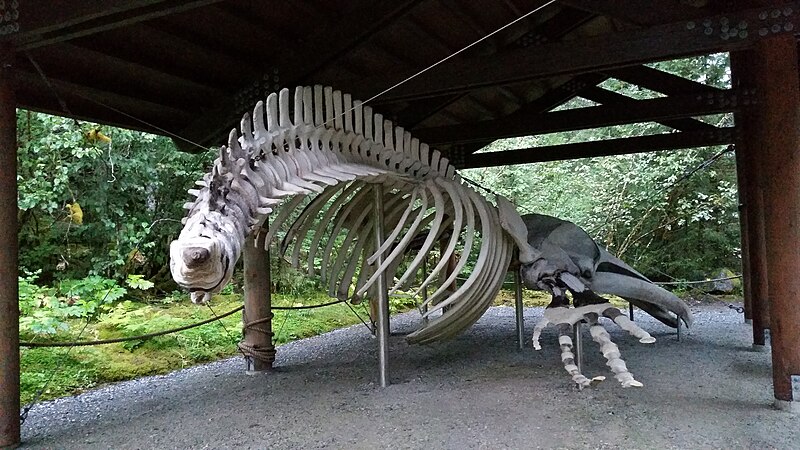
[82, 368]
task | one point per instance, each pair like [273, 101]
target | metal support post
[579, 346]
[678, 330]
[382, 295]
[519, 309]
[424, 269]
[257, 345]
[779, 120]
[9, 290]
[630, 311]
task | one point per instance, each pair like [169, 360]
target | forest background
[98, 207]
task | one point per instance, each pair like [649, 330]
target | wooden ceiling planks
[191, 66]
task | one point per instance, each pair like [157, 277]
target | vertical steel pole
[779, 116]
[257, 345]
[383, 294]
[9, 289]
[579, 346]
[630, 311]
[519, 309]
[424, 291]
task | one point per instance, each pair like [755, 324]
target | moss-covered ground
[73, 370]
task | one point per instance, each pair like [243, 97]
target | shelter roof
[191, 68]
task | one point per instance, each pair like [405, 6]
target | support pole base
[760, 348]
[255, 366]
[790, 407]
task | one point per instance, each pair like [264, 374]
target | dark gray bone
[566, 247]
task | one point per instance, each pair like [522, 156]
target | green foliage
[655, 210]
[123, 188]
[47, 311]
[138, 282]
[290, 281]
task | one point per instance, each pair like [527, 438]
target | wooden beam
[641, 12]
[606, 97]
[659, 81]
[331, 42]
[42, 23]
[553, 29]
[80, 66]
[743, 73]
[144, 45]
[9, 258]
[96, 105]
[650, 12]
[778, 116]
[581, 118]
[592, 54]
[609, 147]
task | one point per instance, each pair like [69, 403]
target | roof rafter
[335, 41]
[637, 111]
[607, 97]
[143, 44]
[95, 103]
[660, 81]
[42, 24]
[608, 147]
[554, 28]
[598, 53]
[77, 65]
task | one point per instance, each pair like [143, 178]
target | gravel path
[708, 391]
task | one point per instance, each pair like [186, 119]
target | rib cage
[334, 150]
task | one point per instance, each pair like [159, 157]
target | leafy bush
[91, 204]
[49, 310]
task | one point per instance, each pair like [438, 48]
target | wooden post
[743, 65]
[779, 118]
[257, 345]
[452, 262]
[741, 182]
[9, 288]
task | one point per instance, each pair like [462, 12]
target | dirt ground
[711, 390]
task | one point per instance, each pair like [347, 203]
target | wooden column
[9, 290]
[749, 154]
[257, 344]
[779, 117]
[741, 182]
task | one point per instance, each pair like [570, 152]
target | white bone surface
[590, 313]
[321, 150]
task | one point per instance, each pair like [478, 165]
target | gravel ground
[711, 390]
